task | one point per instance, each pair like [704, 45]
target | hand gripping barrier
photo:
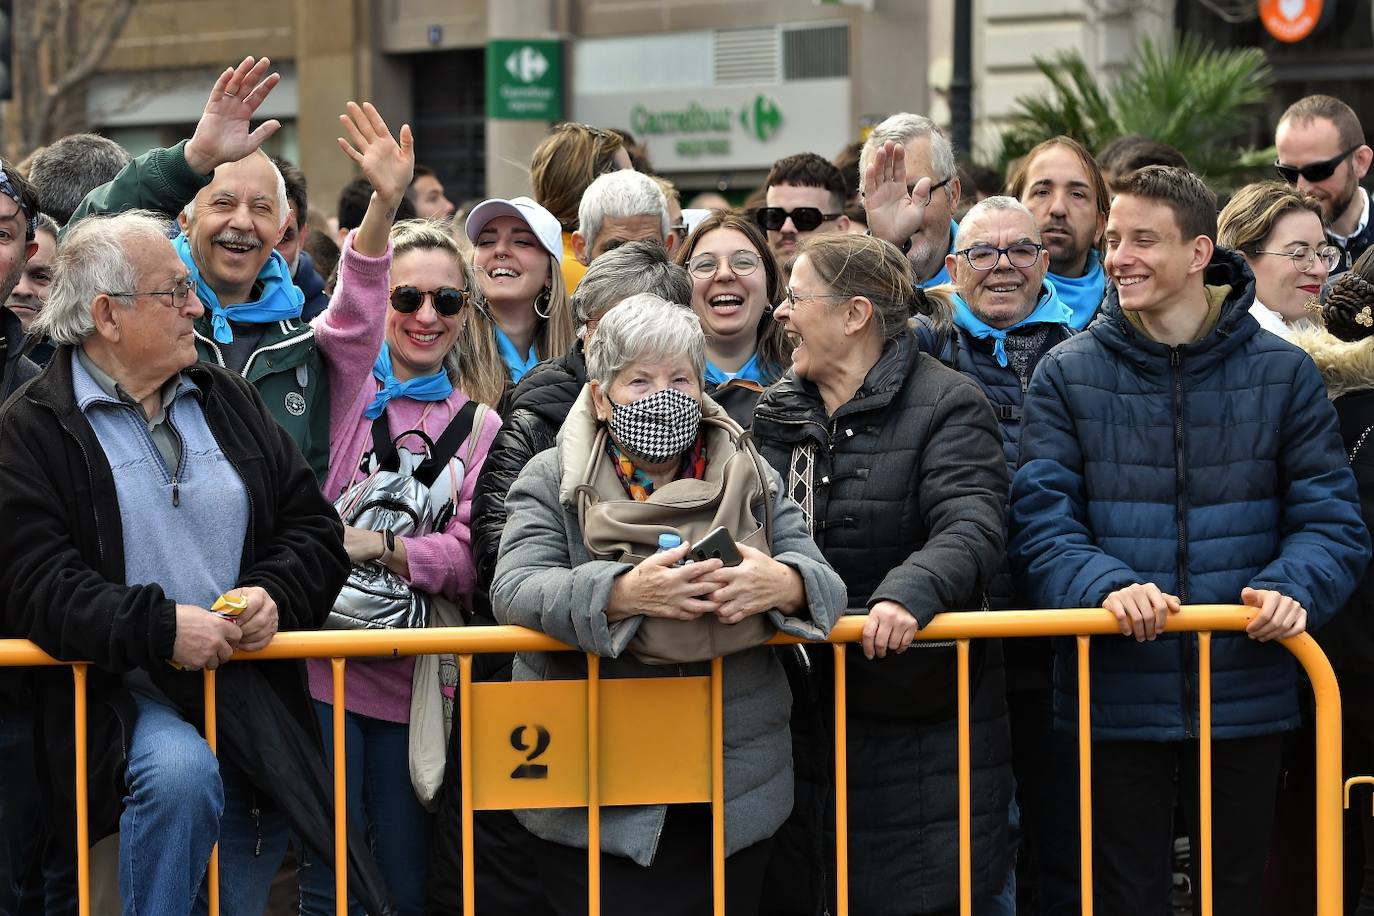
[544, 744]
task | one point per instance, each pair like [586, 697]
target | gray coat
[546, 580]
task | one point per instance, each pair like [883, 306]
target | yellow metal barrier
[675, 724]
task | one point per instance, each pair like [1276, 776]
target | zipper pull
[176, 492]
[1173, 356]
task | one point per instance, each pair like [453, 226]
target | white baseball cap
[542, 223]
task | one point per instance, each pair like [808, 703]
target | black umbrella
[282, 759]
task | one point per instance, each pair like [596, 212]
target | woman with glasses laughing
[735, 283]
[1278, 231]
[411, 279]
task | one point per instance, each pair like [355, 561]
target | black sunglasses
[804, 218]
[1316, 171]
[447, 300]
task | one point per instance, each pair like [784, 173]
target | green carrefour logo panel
[525, 80]
[705, 130]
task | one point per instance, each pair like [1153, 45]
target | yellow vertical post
[841, 788]
[1329, 838]
[1085, 778]
[593, 784]
[465, 777]
[718, 784]
[83, 824]
[965, 787]
[340, 792]
[212, 739]
[1204, 664]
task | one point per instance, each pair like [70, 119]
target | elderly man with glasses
[211, 535]
[910, 188]
[1322, 153]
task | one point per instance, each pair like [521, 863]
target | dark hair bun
[1347, 306]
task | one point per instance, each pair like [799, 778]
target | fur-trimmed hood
[1344, 366]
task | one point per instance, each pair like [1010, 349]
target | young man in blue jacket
[1172, 454]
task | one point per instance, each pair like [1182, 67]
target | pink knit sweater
[439, 563]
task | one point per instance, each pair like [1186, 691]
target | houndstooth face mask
[657, 427]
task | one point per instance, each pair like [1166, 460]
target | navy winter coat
[1202, 468]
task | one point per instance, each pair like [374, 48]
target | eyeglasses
[742, 264]
[181, 291]
[911, 188]
[1316, 171]
[679, 228]
[447, 300]
[792, 298]
[1304, 256]
[986, 257]
[804, 218]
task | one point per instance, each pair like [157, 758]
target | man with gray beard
[915, 213]
[232, 208]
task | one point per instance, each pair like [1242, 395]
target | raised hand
[894, 213]
[388, 165]
[222, 134]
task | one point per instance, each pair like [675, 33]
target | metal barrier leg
[1329, 811]
[841, 789]
[965, 787]
[1085, 778]
[593, 784]
[718, 784]
[465, 775]
[83, 814]
[1204, 754]
[340, 792]
[211, 738]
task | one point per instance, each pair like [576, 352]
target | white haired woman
[643, 433]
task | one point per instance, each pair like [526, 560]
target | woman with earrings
[1278, 231]
[517, 247]
[735, 283]
[391, 415]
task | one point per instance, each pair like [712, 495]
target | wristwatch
[388, 545]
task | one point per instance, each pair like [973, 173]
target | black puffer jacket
[538, 407]
[908, 489]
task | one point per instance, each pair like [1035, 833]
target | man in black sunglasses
[805, 195]
[1322, 151]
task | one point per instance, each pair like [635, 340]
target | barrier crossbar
[620, 709]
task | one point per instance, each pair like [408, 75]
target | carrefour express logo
[762, 118]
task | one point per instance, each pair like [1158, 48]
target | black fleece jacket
[63, 541]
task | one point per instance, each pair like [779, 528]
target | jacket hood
[1234, 326]
[1345, 366]
[576, 438]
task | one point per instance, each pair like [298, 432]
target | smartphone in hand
[718, 544]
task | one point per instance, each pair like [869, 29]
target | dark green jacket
[286, 368]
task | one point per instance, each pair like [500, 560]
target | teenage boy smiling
[1171, 455]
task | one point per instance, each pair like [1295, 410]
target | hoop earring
[545, 297]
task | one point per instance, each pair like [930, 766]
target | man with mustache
[1322, 153]
[1060, 183]
[232, 208]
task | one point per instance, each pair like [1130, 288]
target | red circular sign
[1291, 20]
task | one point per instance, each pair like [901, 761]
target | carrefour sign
[727, 127]
[524, 80]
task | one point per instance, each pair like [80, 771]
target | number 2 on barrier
[529, 769]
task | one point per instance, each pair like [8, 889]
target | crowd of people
[662, 434]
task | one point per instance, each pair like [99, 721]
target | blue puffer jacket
[1202, 468]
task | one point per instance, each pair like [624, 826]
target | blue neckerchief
[281, 299]
[752, 371]
[517, 364]
[1050, 310]
[943, 275]
[436, 387]
[1083, 294]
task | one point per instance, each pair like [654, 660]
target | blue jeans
[180, 801]
[382, 801]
